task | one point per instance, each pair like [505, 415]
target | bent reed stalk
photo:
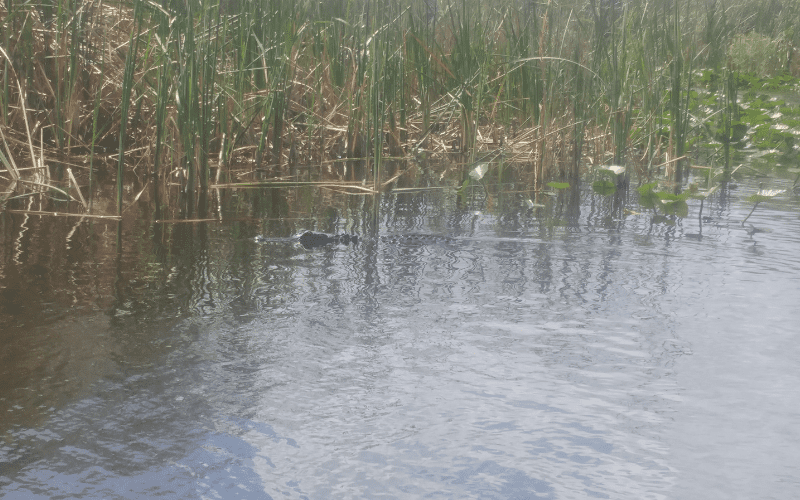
[254, 90]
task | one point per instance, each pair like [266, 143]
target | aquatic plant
[610, 178]
[666, 202]
[761, 196]
[209, 93]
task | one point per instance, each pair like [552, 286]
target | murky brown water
[614, 358]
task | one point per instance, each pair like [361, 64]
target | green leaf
[670, 196]
[647, 187]
[558, 185]
[648, 198]
[604, 188]
[463, 189]
[676, 207]
[666, 195]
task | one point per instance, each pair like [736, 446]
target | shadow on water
[519, 353]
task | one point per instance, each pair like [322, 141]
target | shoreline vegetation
[204, 94]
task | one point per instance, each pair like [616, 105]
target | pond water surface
[608, 358]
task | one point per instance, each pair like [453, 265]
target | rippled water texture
[613, 359]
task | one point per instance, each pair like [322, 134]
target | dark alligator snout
[313, 240]
[310, 239]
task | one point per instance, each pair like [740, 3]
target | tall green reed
[127, 86]
[467, 64]
[95, 131]
[264, 76]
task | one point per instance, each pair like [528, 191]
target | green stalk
[211, 49]
[76, 36]
[95, 132]
[162, 98]
[679, 106]
[731, 113]
[8, 28]
[127, 86]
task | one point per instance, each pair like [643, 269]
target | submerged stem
[751, 213]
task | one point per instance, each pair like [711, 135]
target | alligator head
[312, 240]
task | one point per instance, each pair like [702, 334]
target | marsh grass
[209, 93]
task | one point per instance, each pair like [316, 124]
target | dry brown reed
[302, 93]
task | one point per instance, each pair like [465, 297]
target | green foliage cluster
[767, 137]
[757, 82]
[666, 202]
[764, 120]
[189, 86]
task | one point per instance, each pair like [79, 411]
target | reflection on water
[608, 358]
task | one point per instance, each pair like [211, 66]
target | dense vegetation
[205, 92]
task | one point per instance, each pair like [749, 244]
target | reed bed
[202, 93]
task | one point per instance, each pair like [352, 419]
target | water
[612, 359]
